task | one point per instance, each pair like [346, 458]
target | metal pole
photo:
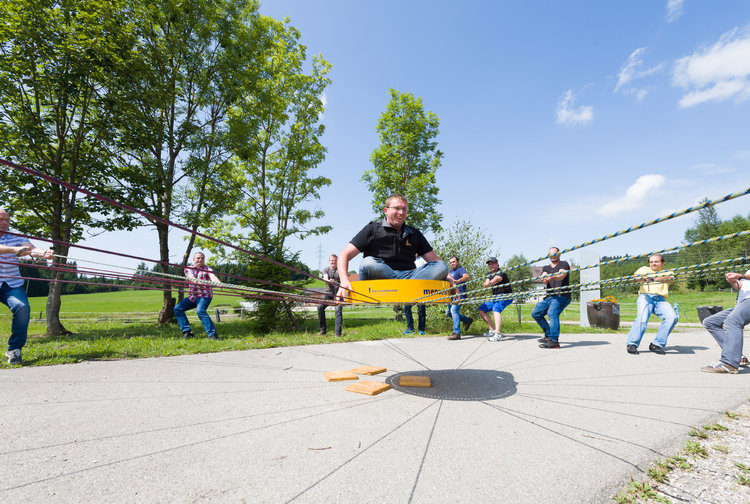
[218, 317]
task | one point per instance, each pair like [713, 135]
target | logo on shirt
[408, 244]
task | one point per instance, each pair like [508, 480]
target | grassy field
[104, 327]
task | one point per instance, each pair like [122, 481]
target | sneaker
[496, 337]
[14, 356]
[322, 332]
[467, 324]
[632, 349]
[421, 333]
[543, 340]
[719, 367]
[550, 343]
[743, 361]
[409, 331]
[656, 349]
[213, 337]
[188, 334]
[489, 334]
[454, 336]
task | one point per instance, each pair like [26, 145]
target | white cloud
[631, 70]
[674, 10]
[635, 196]
[715, 73]
[568, 114]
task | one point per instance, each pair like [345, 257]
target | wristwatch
[23, 249]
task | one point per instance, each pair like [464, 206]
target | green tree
[179, 86]
[407, 160]
[275, 133]
[472, 245]
[56, 67]
[519, 272]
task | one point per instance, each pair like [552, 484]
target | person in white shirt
[12, 294]
[727, 327]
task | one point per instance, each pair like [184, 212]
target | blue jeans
[200, 304]
[553, 307]
[452, 311]
[726, 327]
[374, 268]
[421, 313]
[648, 304]
[15, 299]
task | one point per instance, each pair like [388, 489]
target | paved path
[504, 422]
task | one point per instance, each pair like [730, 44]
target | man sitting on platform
[389, 247]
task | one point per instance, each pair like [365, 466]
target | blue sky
[560, 121]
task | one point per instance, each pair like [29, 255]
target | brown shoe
[719, 367]
[454, 336]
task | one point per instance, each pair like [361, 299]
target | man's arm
[27, 249]
[346, 255]
[734, 279]
[430, 256]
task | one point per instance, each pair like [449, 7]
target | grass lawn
[99, 337]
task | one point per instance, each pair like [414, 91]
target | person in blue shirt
[458, 277]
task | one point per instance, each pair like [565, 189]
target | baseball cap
[491, 259]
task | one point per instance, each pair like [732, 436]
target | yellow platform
[399, 291]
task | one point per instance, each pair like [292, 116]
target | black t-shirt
[378, 239]
[562, 265]
[500, 288]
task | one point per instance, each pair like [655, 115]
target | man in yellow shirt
[652, 298]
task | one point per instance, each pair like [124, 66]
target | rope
[155, 219]
[643, 225]
[603, 263]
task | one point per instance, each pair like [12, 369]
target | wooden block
[368, 387]
[340, 375]
[414, 381]
[369, 370]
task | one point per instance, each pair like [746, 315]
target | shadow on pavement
[459, 384]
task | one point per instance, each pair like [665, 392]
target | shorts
[495, 306]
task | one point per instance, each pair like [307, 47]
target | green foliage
[721, 448]
[731, 415]
[695, 449]
[407, 160]
[659, 472]
[472, 245]
[56, 68]
[715, 427]
[698, 433]
[274, 131]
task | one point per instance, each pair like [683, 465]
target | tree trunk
[54, 301]
[166, 314]
[290, 314]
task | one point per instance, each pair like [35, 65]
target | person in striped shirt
[12, 294]
[199, 297]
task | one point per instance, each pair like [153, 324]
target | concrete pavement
[504, 422]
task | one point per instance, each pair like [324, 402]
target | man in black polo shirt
[389, 248]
